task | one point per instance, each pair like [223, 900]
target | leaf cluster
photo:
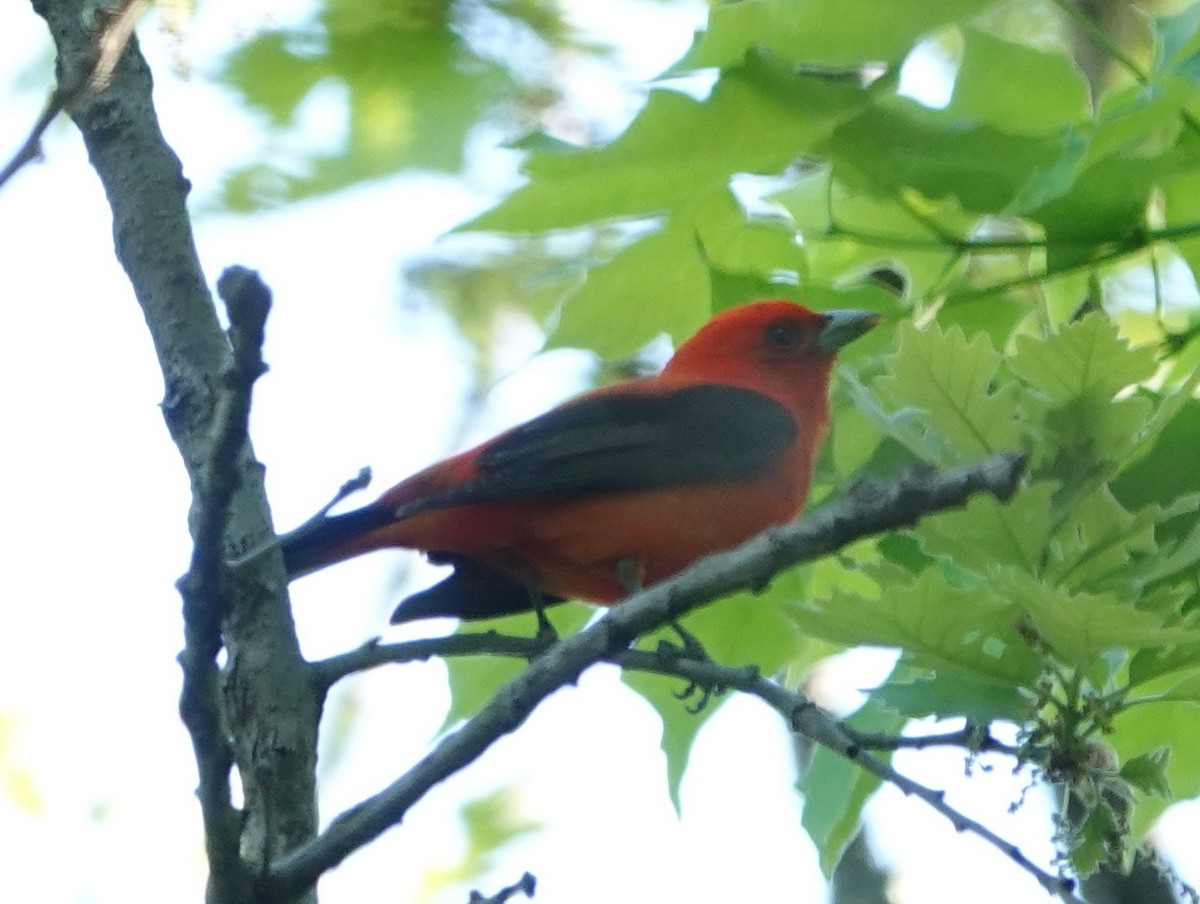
[1019, 235]
[363, 91]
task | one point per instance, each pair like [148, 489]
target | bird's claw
[706, 691]
[690, 648]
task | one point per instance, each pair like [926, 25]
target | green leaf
[997, 318]
[1097, 540]
[658, 284]
[952, 383]
[730, 289]
[752, 630]
[1081, 358]
[1103, 546]
[748, 261]
[1149, 665]
[1138, 120]
[1103, 205]
[1080, 627]
[853, 439]
[1094, 839]
[474, 681]
[1173, 559]
[835, 790]
[1017, 88]
[897, 144]
[1168, 470]
[853, 571]
[832, 217]
[680, 726]
[987, 532]
[1186, 689]
[949, 694]
[1178, 39]
[1147, 772]
[939, 625]
[661, 282]
[406, 97]
[491, 822]
[1137, 148]
[756, 120]
[1091, 437]
[906, 426]
[1169, 404]
[1175, 726]
[1181, 199]
[839, 34]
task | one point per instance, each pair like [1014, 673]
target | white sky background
[94, 536]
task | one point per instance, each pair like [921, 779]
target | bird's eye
[785, 336]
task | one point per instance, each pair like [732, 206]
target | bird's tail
[471, 591]
[333, 538]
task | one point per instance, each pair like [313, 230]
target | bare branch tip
[1012, 466]
[247, 298]
[359, 481]
[526, 886]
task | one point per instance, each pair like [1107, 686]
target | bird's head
[770, 344]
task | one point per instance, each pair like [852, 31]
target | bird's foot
[547, 634]
[689, 645]
[691, 649]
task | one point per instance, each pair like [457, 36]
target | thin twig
[867, 508]
[977, 739]
[808, 719]
[1104, 251]
[373, 654]
[811, 721]
[110, 44]
[1132, 245]
[526, 886]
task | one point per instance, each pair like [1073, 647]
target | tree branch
[819, 726]
[808, 719]
[867, 508]
[248, 301]
[805, 717]
[269, 705]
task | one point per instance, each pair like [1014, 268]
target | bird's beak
[843, 327]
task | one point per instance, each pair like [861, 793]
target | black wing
[619, 443]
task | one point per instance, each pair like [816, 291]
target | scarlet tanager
[637, 479]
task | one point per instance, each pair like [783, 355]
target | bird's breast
[575, 547]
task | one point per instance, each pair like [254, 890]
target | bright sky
[95, 533]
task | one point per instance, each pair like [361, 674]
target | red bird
[628, 483]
